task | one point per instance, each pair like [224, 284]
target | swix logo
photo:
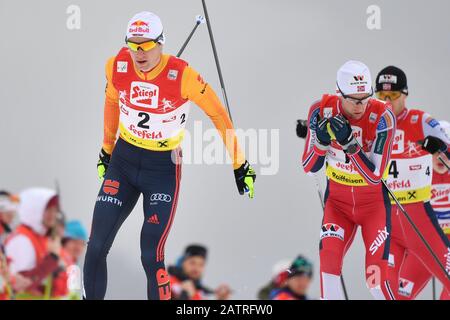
[144, 134]
[144, 94]
[361, 88]
[415, 167]
[399, 142]
[163, 281]
[359, 78]
[153, 219]
[399, 184]
[139, 27]
[405, 287]
[379, 240]
[111, 187]
[331, 230]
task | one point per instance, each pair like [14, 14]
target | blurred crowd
[39, 249]
[40, 254]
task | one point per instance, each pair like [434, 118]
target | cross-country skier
[409, 176]
[147, 101]
[353, 134]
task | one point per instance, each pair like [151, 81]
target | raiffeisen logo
[139, 27]
[143, 94]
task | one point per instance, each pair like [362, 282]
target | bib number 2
[145, 118]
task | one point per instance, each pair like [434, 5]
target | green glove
[103, 163]
[245, 178]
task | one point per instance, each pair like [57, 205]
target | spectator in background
[186, 276]
[34, 250]
[279, 277]
[296, 286]
[74, 244]
[8, 208]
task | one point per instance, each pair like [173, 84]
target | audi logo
[160, 197]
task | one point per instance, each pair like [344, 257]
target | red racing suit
[410, 178]
[354, 195]
[413, 272]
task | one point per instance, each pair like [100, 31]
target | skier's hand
[341, 130]
[103, 163]
[245, 178]
[322, 134]
[432, 145]
[302, 128]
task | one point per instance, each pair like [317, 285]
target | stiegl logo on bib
[145, 95]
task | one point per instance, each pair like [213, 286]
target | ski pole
[433, 285]
[444, 163]
[198, 21]
[413, 225]
[216, 59]
[303, 127]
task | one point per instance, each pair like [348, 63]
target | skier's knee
[330, 261]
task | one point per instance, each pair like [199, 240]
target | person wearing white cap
[353, 133]
[147, 101]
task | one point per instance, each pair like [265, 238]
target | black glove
[322, 134]
[245, 177]
[432, 145]
[103, 163]
[342, 130]
[302, 128]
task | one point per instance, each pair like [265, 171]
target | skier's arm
[313, 154]
[111, 110]
[431, 127]
[195, 89]
[373, 167]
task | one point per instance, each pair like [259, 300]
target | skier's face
[145, 60]
[299, 284]
[438, 166]
[397, 104]
[355, 109]
[194, 267]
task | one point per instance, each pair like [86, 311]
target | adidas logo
[153, 219]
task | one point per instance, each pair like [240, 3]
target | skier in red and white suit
[414, 273]
[409, 176]
[338, 126]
